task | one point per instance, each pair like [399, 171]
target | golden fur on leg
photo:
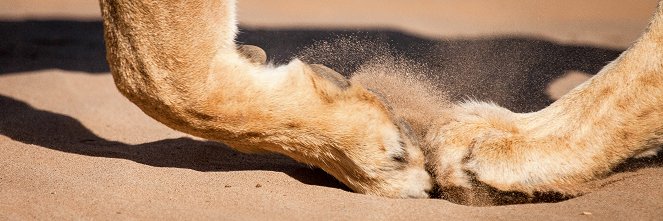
[178, 62]
[482, 151]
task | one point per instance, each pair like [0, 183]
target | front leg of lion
[481, 152]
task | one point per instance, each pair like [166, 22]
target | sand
[71, 147]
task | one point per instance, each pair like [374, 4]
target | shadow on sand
[21, 122]
[510, 71]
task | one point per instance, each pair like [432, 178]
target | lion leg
[178, 62]
[613, 116]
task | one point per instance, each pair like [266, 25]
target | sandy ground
[71, 147]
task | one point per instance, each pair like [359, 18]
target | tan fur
[178, 62]
[615, 115]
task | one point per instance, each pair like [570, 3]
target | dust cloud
[408, 87]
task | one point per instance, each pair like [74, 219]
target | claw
[253, 53]
[330, 75]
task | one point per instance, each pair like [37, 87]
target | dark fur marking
[482, 194]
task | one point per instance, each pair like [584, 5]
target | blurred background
[518, 53]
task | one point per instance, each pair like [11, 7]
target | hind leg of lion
[618, 114]
[178, 62]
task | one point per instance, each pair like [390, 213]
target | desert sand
[71, 147]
